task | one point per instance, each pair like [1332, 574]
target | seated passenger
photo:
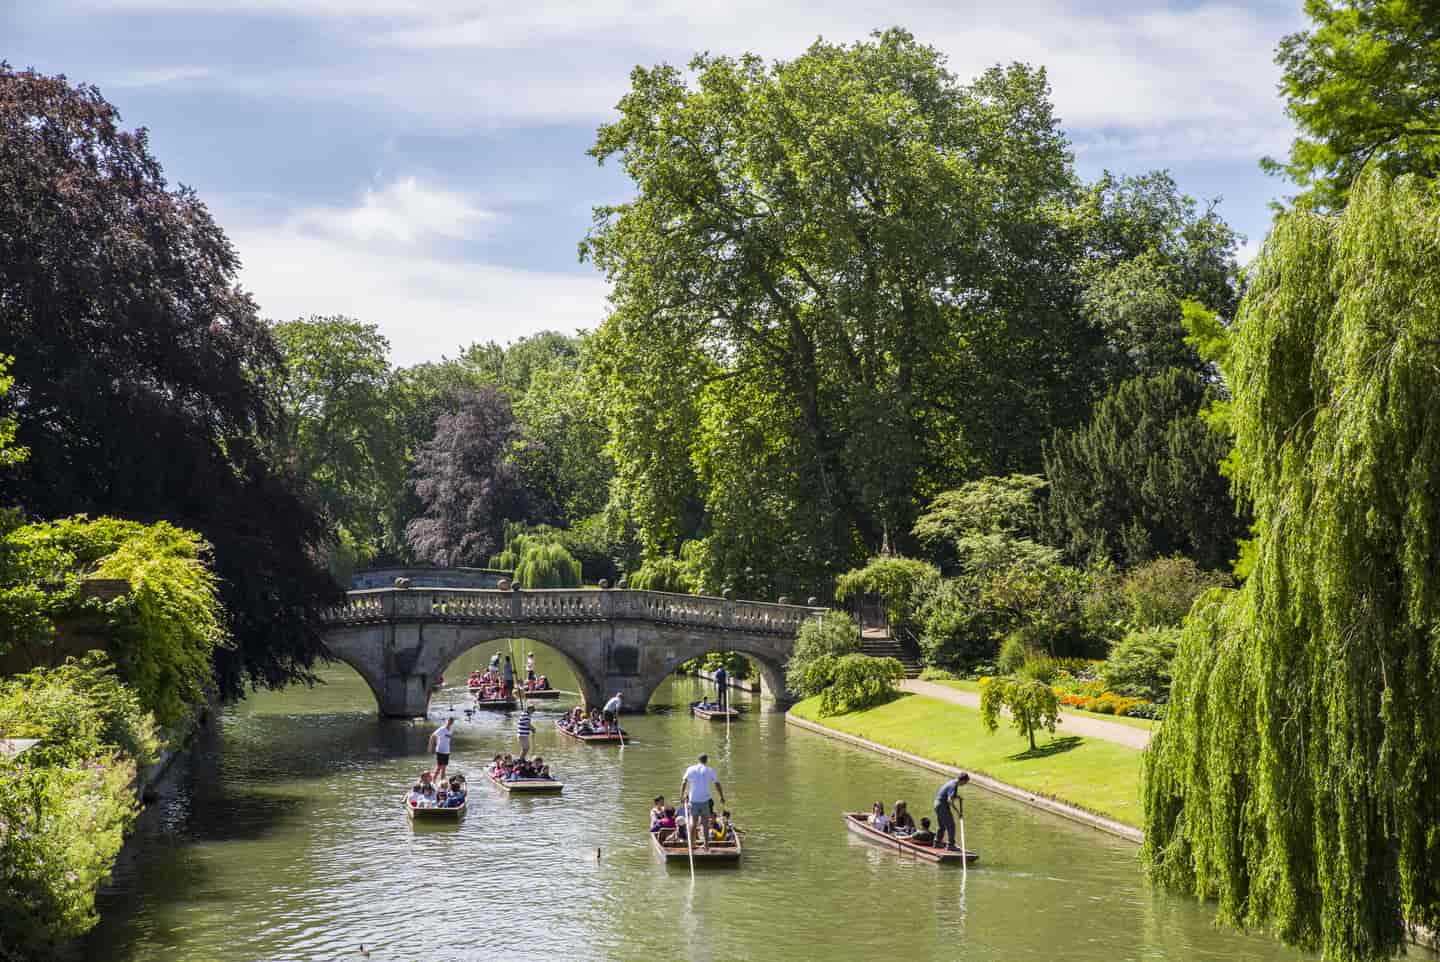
[456, 796]
[924, 836]
[416, 794]
[878, 818]
[724, 830]
[427, 799]
[667, 818]
[902, 822]
[543, 684]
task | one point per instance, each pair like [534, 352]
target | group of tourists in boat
[507, 768]
[428, 792]
[605, 721]
[693, 830]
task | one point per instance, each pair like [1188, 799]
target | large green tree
[1294, 779]
[841, 282]
[1363, 85]
[341, 429]
[1142, 477]
[143, 374]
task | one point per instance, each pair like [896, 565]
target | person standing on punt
[722, 682]
[530, 670]
[611, 713]
[440, 745]
[696, 785]
[523, 728]
[949, 795]
[509, 675]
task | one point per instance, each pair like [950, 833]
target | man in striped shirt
[523, 728]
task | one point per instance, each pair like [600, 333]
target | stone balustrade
[564, 605]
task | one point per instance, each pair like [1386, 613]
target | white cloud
[1205, 69]
[162, 76]
[403, 211]
[378, 261]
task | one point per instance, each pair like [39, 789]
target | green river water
[281, 837]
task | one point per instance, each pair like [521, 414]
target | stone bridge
[401, 639]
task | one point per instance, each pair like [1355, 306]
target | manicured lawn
[1096, 775]
[1148, 724]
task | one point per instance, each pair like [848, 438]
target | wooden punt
[534, 786]
[713, 713]
[858, 823]
[595, 739]
[433, 814]
[542, 693]
[721, 853]
[496, 704]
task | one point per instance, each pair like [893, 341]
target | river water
[282, 838]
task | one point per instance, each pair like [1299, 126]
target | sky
[421, 165]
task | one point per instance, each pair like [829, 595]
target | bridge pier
[404, 696]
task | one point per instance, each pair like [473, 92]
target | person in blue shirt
[722, 683]
[949, 795]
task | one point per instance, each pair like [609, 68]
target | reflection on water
[284, 839]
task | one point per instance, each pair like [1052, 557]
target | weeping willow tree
[1297, 777]
[546, 565]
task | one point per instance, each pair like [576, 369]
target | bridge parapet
[553, 605]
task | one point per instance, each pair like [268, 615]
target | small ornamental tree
[1032, 705]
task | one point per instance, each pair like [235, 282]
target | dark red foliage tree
[466, 482]
[143, 372]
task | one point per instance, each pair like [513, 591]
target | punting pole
[689, 838]
[964, 852]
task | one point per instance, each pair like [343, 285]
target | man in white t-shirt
[611, 713]
[440, 745]
[696, 785]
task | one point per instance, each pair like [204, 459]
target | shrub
[65, 804]
[1147, 709]
[858, 682]
[163, 632]
[830, 635]
[1012, 654]
[937, 674]
[1032, 705]
[1041, 668]
[1160, 593]
[1139, 666]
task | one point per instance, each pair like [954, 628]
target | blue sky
[421, 163]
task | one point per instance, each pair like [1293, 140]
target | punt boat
[433, 814]
[597, 738]
[858, 823]
[672, 849]
[713, 712]
[533, 786]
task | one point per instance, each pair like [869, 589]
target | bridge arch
[771, 665]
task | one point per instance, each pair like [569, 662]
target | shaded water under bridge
[401, 639]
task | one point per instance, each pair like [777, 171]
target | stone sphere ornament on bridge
[504, 584]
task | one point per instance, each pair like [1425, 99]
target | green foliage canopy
[1142, 478]
[1363, 86]
[1294, 779]
[818, 289]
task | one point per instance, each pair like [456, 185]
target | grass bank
[1147, 724]
[1095, 775]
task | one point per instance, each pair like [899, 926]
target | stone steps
[890, 648]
